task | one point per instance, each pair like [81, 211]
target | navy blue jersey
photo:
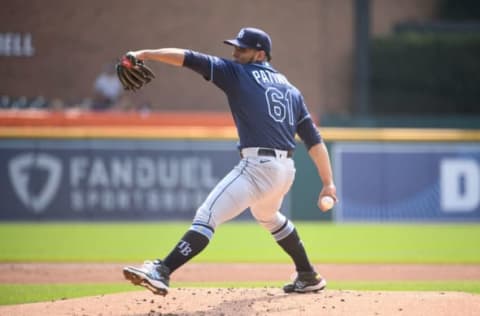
[266, 108]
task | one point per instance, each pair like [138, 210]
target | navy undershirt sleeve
[199, 63]
[308, 133]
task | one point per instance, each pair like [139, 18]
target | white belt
[265, 152]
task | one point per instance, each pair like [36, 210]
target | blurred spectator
[4, 102]
[57, 104]
[107, 89]
[38, 103]
[124, 103]
[20, 103]
[144, 108]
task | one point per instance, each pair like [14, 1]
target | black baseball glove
[133, 73]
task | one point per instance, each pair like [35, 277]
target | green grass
[235, 242]
[240, 242]
[28, 293]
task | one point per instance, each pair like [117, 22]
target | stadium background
[313, 42]
[340, 54]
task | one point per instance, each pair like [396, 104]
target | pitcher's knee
[278, 225]
[283, 230]
[205, 216]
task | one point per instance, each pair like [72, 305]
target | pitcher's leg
[285, 234]
[231, 196]
[228, 199]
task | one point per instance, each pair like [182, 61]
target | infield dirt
[248, 301]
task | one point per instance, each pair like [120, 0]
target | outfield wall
[109, 179]
[407, 181]
[150, 172]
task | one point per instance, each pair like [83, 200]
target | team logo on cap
[241, 33]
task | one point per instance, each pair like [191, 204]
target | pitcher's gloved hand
[133, 73]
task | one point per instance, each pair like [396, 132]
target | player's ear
[261, 55]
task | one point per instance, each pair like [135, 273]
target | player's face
[244, 55]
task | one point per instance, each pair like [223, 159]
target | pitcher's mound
[258, 301]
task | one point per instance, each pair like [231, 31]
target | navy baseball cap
[250, 37]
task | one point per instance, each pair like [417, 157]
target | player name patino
[268, 77]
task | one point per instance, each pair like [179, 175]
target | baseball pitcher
[268, 112]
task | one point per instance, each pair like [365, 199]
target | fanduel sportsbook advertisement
[109, 179]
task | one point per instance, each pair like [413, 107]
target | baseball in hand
[327, 202]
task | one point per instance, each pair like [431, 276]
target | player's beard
[248, 60]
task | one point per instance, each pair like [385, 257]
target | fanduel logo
[20, 169]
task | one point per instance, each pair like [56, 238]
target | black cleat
[306, 282]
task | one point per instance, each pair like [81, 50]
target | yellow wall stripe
[201, 132]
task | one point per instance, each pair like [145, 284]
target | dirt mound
[263, 301]
[258, 301]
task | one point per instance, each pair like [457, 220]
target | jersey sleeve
[306, 128]
[221, 72]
